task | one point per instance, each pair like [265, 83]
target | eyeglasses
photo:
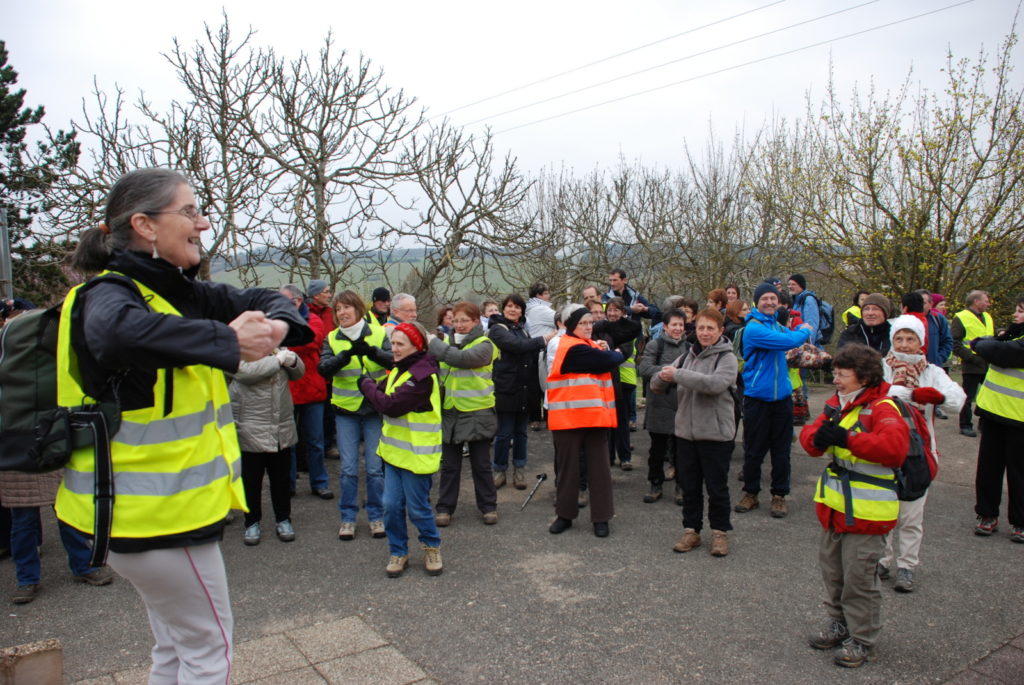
[845, 375]
[189, 212]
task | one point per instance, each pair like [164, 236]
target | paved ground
[516, 604]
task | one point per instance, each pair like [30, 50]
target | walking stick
[540, 479]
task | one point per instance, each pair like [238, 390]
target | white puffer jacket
[262, 404]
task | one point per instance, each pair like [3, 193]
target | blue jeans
[309, 419]
[349, 429]
[405, 491]
[27, 536]
[511, 429]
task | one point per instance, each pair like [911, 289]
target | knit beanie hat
[316, 286]
[571, 315]
[881, 301]
[937, 298]
[761, 289]
[381, 295]
[800, 279]
[907, 322]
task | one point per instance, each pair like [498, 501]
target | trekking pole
[540, 479]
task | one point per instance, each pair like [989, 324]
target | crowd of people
[220, 387]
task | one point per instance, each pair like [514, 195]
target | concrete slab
[1005, 665]
[307, 675]
[265, 656]
[381, 666]
[326, 641]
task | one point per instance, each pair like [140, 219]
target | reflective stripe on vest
[413, 441]
[1002, 393]
[176, 468]
[345, 392]
[841, 489]
[579, 400]
[973, 327]
[470, 389]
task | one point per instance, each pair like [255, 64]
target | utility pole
[6, 278]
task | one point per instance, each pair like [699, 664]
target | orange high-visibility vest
[579, 400]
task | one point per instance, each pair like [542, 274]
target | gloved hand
[830, 434]
[286, 357]
[361, 347]
[927, 396]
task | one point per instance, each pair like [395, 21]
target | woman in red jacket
[864, 433]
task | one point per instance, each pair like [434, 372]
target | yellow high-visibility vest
[413, 441]
[345, 391]
[470, 389]
[1002, 392]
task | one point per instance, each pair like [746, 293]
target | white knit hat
[906, 322]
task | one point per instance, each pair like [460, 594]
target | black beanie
[574, 319]
[761, 289]
[800, 280]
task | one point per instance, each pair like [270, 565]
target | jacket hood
[722, 345]
[418, 364]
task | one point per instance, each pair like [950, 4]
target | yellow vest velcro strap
[412, 425]
[182, 427]
[567, 382]
[408, 446]
[581, 404]
[152, 484]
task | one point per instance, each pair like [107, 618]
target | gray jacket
[660, 415]
[705, 405]
[465, 426]
[262, 404]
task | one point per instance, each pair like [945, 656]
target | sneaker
[904, 580]
[654, 495]
[779, 509]
[377, 529]
[882, 571]
[499, 479]
[443, 519]
[986, 526]
[719, 543]
[490, 518]
[396, 565]
[323, 493]
[626, 465]
[432, 560]
[332, 453]
[25, 593]
[251, 536]
[968, 431]
[832, 635]
[748, 503]
[688, 541]
[285, 531]
[583, 499]
[100, 576]
[347, 531]
[1016, 534]
[852, 654]
[518, 479]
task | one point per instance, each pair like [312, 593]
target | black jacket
[872, 336]
[1004, 352]
[515, 371]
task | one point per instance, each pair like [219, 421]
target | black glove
[361, 348]
[830, 434]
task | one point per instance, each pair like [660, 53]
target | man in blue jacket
[767, 399]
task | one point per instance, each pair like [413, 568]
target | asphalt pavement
[517, 604]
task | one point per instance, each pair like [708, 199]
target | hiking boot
[626, 465]
[654, 495]
[518, 479]
[559, 525]
[323, 493]
[969, 432]
[688, 541]
[882, 571]
[679, 496]
[832, 635]
[251, 536]
[853, 654]
[748, 503]
[719, 543]
[285, 531]
[396, 565]
[535, 426]
[583, 500]
[25, 593]
[601, 529]
[347, 531]
[99, 576]
[904, 580]
[632, 426]
[986, 526]
[490, 518]
[779, 508]
[432, 560]
[332, 453]
[670, 472]
[377, 529]
[499, 479]
[443, 519]
[1016, 534]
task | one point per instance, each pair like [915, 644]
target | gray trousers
[853, 593]
[185, 591]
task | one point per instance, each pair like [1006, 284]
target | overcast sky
[452, 54]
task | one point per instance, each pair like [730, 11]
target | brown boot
[499, 479]
[719, 543]
[688, 541]
[432, 560]
[779, 508]
[748, 503]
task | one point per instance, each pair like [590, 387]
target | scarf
[352, 332]
[844, 400]
[906, 368]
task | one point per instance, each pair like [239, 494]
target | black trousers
[704, 464]
[277, 466]
[593, 442]
[767, 426]
[663, 450]
[451, 477]
[618, 437]
[1000, 452]
[972, 381]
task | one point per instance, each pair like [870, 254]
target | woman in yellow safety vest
[467, 358]
[168, 339]
[410, 445]
[356, 348]
[625, 391]
[864, 433]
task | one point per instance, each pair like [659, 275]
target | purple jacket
[413, 395]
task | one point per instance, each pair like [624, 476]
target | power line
[737, 66]
[606, 59]
[671, 62]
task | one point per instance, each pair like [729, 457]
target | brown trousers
[848, 562]
[593, 444]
